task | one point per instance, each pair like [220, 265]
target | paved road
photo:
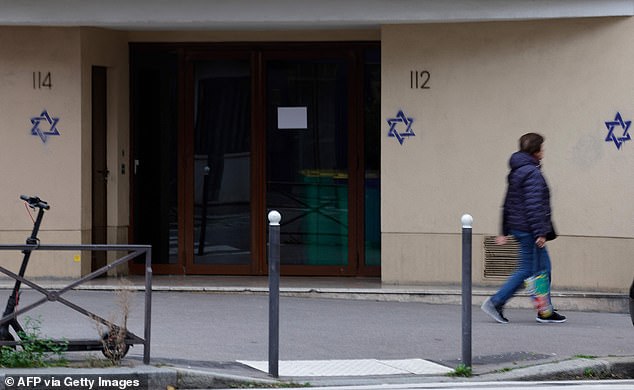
[201, 329]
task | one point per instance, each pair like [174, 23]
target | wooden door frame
[348, 56]
[259, 53]
[138, 267]
[187, 193]
[100, 173]
[358, 139]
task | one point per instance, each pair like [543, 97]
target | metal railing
[55, 295]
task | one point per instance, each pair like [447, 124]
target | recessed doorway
[247, 129]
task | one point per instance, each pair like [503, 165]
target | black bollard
[467, 222]
[274, 292]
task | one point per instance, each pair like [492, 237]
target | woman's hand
[501, 240]
[540, 242]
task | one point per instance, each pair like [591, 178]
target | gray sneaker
[494, 312]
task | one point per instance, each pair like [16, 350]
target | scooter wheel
[114, 346]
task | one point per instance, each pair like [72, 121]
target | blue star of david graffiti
[52, 123]
[618, 122]
[407, 122]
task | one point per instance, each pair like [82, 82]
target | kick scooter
[108, 343]
[35, 203]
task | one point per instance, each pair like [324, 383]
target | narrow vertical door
[100, 171]
[155, 158]
[222, 160]
[307, 127]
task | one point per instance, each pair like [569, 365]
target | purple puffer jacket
[527, 202]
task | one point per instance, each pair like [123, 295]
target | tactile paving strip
[354, 367]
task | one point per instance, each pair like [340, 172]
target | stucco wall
[109, 49]
[31, 166]
[490, 83]
[49, 69]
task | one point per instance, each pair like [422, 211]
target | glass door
[221, 198]
[154, 167]
[307, 130]
[223, 133]
[372, 160]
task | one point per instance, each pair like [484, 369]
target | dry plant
[113, 336]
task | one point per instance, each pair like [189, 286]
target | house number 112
[419, 79]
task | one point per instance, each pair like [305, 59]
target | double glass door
[270, 129]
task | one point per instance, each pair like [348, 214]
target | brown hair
[531, 143]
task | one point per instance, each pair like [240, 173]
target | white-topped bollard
[274, 292]
[274, 218]
[467, 223]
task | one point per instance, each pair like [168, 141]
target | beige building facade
[458, 87]
[494, 82]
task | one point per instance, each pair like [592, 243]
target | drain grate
[500, 260]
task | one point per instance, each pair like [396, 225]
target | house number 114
[42, 80]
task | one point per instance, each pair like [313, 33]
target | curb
[155, 377]
[197, 379]
[187, 378]
[556, 371]
[567, 369]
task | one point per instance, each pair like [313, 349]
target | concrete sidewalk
[211, 332]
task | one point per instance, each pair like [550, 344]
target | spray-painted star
[400, 118]
[52, 122]
[625, 125]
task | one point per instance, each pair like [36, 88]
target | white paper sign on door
[292, 118]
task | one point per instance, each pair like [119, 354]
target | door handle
[105, 173]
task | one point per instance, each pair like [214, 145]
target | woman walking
[526, 216]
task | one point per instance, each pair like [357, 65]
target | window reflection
[222, 214]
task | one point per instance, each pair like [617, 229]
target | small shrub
[589, 373]
[33, 350]
[462, 370]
